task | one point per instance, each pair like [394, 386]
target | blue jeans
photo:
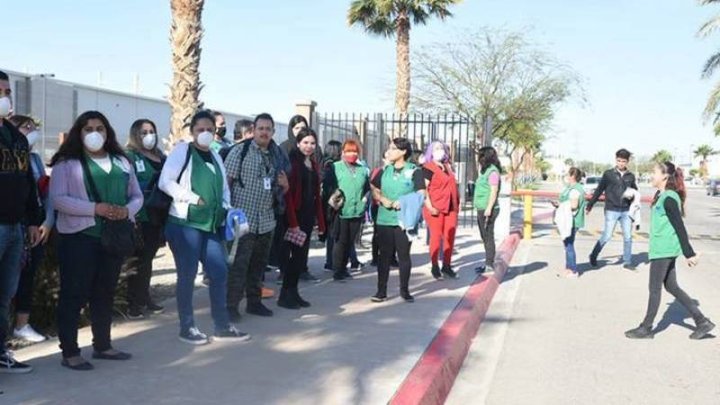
[611, 220]
[11, 248]
[570, 257]
[191, 246]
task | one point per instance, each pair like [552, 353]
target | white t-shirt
[104, 163]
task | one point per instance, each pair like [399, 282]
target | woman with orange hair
[351, 179]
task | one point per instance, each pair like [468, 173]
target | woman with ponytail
[668, 240]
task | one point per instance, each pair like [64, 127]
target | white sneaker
[29, 334]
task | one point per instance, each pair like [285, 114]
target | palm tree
[185, 35]
[662, 156]
[394, 18]
[703, 152]
[712, 108]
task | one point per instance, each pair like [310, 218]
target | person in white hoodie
[573, 196]
[195, 178]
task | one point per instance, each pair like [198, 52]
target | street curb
[432, 377]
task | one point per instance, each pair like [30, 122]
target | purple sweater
[70, 198]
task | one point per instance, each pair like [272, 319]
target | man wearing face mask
[20, 206]
[220, 130]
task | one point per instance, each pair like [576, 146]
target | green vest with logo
[579, 221]
[664, 242]
[353, 184]
[112, 188]
[394, 185]
[208, 184]
[481, 198]
[145, 172]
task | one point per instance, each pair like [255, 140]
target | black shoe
[407, 297]
[480, 269]
[231, 333]
[287, 300]
[306, 276]
[234, 314]
[342, 276]
[258, 309]
[155, 308]
[84, 366]
[630, 266]
[296, 294]
[9, 365]
[115, 356]
[448, 271]
[593, 261]
[135, 313]
[641, 332]
[193, 336]
[436, 272]
[703, 328]
[379, 298]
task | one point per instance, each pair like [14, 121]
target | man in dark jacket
[19, 205]
[615, 183]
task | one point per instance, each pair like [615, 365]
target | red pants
[441, 227]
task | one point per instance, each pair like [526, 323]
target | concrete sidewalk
[343, 350]
[550, 340]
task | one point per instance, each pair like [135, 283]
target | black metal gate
[461, 133]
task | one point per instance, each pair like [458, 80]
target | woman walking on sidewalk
[148, 159]
[668, 240]
[485, 202]
[194, 177]
[574, 196]
[304, 209]
[441, 207]
[92, 183]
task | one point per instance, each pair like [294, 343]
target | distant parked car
[591, 184]
[713, 187]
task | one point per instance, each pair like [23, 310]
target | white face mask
[32, 138]
[149, 141]
[205, 139]
[5, 107]
[94, 141]
[438, 155]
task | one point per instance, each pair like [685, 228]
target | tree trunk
[402, 92]
[185, 35]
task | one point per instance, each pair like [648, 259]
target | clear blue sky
[640, 59]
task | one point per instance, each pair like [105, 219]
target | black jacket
[19, 201]
[614, 184]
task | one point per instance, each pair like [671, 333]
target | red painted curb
[430, 381]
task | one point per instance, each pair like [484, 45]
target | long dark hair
[487, 156]
[296, 119]
[675, 182]
[72, 147]
[134, 142]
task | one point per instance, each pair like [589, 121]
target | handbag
[118, 237]
[158, 202]
[297, 238]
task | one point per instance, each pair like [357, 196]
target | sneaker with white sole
[28, 333]
[9, 365]
[194, 337]
[231, 333]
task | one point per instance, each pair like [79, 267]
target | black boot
[703, 328]
[448, 271]
[287, 300]
[595, 253]
[641, 332]
[405, 294]
[300, 301]
[436, 271]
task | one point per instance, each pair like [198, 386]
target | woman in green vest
[352, 179]
[668, 240]
[147, 158]
[90, 156]
[194, 177]
[485, 201]
[397, 179]
[575, 195]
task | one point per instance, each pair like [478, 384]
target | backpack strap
[243, 153]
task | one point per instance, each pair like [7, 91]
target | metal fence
[461, 133]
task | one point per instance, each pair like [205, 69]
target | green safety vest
[209, 186]
[145, 172]
[112, 188]
[482, 190]
[394, 185]
[664, 242]
[353, 184]
[579, 221]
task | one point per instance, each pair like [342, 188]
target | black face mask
[221, 132]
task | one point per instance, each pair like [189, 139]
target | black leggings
[347, 231]
[138, 284]
[487, 233]
[393, 239]
[662, 272]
